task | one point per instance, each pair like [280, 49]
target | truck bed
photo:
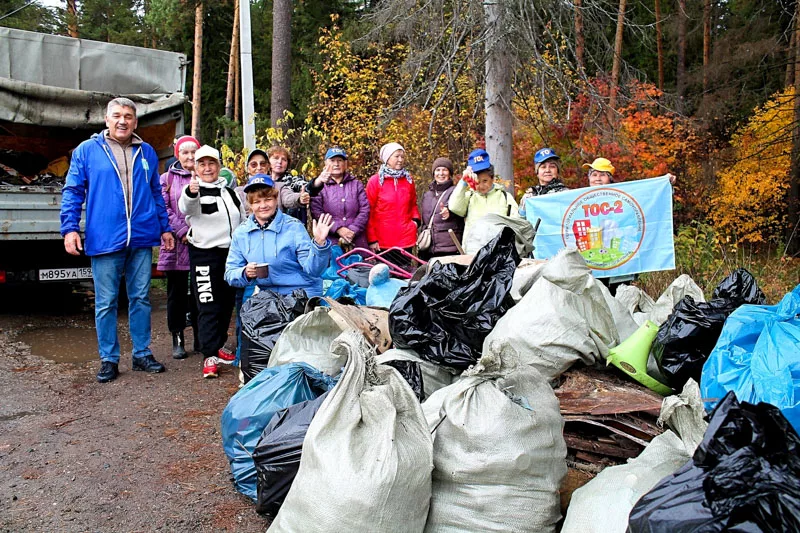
[30, 212]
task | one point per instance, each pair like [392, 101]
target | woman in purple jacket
[341, 195]
[175, 263]
[434, 206]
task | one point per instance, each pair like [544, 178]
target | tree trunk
[580, 44]
[793, 228]
[659, 47]
[237, 93]
[197, 79]
[233, 58]
[281, 59]
[680, 77]
[706, 48]
[612, 102]
[790, 61]
[497, 100]
[72, 19]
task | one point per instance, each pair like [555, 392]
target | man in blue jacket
[116, 174]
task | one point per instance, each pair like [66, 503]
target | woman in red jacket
[393, 214]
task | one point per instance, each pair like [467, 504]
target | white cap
[207, 151]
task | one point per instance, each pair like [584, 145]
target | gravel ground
[142, 453]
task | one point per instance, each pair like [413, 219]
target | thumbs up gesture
[194, 185]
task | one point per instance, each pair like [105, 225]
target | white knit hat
[388, 149]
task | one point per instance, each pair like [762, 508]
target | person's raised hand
[470, 178]
[194, 185]
[324, 176]
[321, 227]
[72, 243]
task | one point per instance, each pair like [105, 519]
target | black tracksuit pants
[213, 297]
[179, 302]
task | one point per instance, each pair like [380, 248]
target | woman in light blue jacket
[269, 236]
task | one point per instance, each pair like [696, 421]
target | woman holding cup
[272, 250]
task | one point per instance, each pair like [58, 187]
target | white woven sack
[307, 339]
[603, 504]
[562, 319]
[434, 376]
[643, 308]
[491, 224]
[367, 457]
[498, 452]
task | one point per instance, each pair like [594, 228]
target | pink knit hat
[185, 139]
[388, 149]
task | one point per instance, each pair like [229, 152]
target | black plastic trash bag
[744, 476]
[412, 373]
[277, 454]
[264, 316]
[740, 285]
[688, 336]
[447, 315]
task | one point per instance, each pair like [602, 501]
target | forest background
[702, 89]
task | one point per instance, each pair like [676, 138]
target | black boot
[178, 351]
[196, 340]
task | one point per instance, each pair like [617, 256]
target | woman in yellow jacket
[477, 195]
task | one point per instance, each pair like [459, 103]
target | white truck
[53, 93]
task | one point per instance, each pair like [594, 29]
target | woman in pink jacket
[175, 262]
[393, 214]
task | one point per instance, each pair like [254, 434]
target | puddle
[15, 416]
[65, 344]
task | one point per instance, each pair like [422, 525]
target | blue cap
[478, 160]
[335, 152]
[259, 180]
[544, 154]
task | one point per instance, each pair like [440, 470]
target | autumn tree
[750, 204]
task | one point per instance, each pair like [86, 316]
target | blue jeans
[107, 271]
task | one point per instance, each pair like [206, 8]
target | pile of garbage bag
[447, 315]
[686, 338]
[250, 410]
[481, 401]
[744, 476]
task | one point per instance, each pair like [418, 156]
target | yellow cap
[602, 164]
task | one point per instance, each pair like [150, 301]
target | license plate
[58, 274]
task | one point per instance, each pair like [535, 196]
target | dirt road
[142, 453]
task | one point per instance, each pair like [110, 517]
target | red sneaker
[225, 356]
[210, 367]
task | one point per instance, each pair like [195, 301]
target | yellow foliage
[749, 204]
[353, 108]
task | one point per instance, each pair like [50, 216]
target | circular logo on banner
[606, 225]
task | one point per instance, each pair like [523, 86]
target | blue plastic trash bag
[249, 411]
[757, 356]
[382, 288]
[333, 266]
[343, 288]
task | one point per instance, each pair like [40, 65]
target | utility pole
[248, 107]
